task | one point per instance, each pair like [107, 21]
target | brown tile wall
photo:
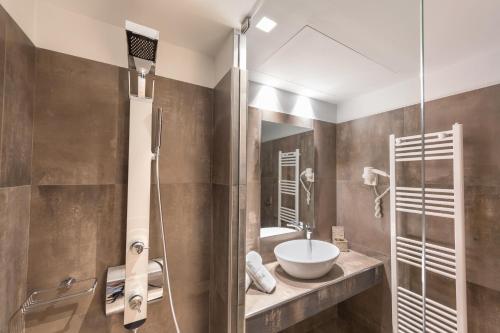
[81, 122]
[14, 237]
[253, 179]
[364, 142]
[325, 321]
[227, 186]
[221, 192]
[78, 206]
[17, 74]
[325, 202]
[227, 302]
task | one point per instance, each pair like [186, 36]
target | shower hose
[166, 276]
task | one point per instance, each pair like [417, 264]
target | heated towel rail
[289, 187]
[411, 312]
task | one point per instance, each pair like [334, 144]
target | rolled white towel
[248, 281]
[259, 274]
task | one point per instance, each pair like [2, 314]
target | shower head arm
[130, 88]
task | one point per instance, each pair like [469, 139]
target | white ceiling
[330, 50]
[333, 50]
[314, 60]
[272, 131]
[198, 25]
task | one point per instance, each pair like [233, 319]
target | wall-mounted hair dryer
[370, 178]
[370, 175]
[308, 175]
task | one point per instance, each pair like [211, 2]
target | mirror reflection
[287, 178]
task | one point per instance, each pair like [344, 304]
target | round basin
[306, 259]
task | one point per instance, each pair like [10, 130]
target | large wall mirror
[287, 178]
[290, 179]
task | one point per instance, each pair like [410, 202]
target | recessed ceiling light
[266, 24]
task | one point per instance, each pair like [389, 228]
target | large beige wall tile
[186, 150]
[81, 122]
[17, 74]
[14, 237]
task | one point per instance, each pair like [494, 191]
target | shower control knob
[137, 247]
[135, 303]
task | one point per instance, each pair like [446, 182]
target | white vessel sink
[306, 259]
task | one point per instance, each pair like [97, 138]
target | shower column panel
[138, 210]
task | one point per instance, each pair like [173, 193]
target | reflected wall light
[303, 107]
[267, 99]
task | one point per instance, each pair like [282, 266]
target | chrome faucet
[297, 226]
[308, 231]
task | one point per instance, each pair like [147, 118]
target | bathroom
[252, 166]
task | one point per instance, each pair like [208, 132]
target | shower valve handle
[135, 303]
[138, 247]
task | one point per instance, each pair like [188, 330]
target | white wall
[476, 72]
[378, 101]
[51, 27]
[269, 98]
[67, 32]
[224, 60]
[23, 13]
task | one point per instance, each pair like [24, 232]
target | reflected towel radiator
[411, 312]
[288, 187]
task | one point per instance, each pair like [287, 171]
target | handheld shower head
[142, 45]
[157, 131]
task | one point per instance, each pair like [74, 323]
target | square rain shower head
[142, 45]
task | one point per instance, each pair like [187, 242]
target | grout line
[15, 186]
[122, 184]
[33, 114]
[28, 244]
[3, 95]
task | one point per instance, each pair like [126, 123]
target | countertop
[352, 274]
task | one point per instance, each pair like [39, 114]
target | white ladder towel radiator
[288, 187]
[408, 307]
